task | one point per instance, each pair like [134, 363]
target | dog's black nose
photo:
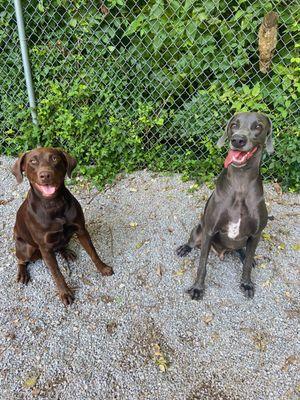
[238, 141]
[45, 175]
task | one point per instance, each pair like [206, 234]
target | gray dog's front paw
[183, 250]
[196, 292]
[248, 289]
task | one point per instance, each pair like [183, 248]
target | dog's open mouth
[46, 190]
[238, 158]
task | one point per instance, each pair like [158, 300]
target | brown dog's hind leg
[23, 275]
[25, 253]
[194, 241]
[86, 243]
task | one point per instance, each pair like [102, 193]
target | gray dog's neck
[241, 178]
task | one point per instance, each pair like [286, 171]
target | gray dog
[236, 213]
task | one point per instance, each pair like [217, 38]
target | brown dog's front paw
[66, 297]
[105, 270]
[248, 289]
[23, 277]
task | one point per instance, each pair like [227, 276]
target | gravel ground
[137, 335]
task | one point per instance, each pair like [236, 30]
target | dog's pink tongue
[232, 155]
[238, 157]
[47, 190]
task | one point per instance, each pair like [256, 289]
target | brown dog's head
[45, 168]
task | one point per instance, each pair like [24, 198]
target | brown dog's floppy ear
[223, 138]
[18, 168]
[269, 139]
[71, 163]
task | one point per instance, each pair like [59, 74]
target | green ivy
[149, 83]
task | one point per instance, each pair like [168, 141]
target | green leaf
[40, 7]
[73, 22]
[191, 30]
[188, 4]
[158, 40]
[157, 10]
[256, 90]
[135, 24]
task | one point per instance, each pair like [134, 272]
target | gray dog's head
[247, 130]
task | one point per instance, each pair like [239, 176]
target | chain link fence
[123, 85]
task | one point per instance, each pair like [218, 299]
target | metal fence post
[25, 58]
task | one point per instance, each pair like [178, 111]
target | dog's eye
[258, 127]
[33, 161]
[55, 158]
[234, 125]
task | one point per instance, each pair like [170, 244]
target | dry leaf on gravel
[207, 318]
[266, 236]
[159, 358]
[262, 266]
[215, 336]
[10, 335]
[106, 298]
[159, 270]
[111, 327]
[35, 391]
[277, 188]
[267, 283]
[281, 246]
[141, 244]
[133, 224]
[291, 360]
[30, 381]
[260, 341]
[3, 202]
[180, 272]
[193, 188]
[86, 281]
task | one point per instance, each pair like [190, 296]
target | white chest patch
[234, 229]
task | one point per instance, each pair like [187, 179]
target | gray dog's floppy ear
[71, 163]
[269, 140]
[223, 138]
[18, 168]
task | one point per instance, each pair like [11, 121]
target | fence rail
[125, 84]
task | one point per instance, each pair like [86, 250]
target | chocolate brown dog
[49, 217]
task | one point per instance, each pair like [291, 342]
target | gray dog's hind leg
[242, 255]
[194, 241]
[197, 290]
[246, 283]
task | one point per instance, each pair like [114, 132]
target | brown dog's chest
[59, 234]
[52, 227]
